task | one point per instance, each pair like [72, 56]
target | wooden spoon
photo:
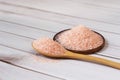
[50, 48]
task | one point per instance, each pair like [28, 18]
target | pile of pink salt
[48, 46]
[80, 38]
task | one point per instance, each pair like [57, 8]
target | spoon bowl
[49, 48]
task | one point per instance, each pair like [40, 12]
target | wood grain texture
[74, 9]
[68, 69]
[33, 33]
[70, 21]
[22, 21]
[10, 72]
[100, 3]
[13, 40]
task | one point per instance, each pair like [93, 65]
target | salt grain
[48, 46]
[80, 38]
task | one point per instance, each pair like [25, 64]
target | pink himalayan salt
[48, 46]
[80, 38]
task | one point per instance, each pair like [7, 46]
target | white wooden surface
[22, 21]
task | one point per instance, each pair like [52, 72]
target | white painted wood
[73, 9]
[100, 3]
[21, 21]
[13, 40]
[10, 72]
[35, 33]
[68, 69]
[25, 31]
[33, 22]
[28, 34]
[53, 28]
[23, 13]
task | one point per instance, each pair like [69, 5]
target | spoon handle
[94, 59]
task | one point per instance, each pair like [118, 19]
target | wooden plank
[28, 34]
[100, 3]
[43, 22]
[14, 39]
[57, 27]
[69, 69]
[24, 32]
[74, 9]
[33, 22]
[10, 72]
[4, 24]
[23, 12]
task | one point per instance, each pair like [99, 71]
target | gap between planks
[98, 4]
[55, 21]
[25, 36]
[27, 60]
[27, 7]
[34, 38]
[58, 13]
[22, 36]
[33, 71]
[46, 20]
[39, 29]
